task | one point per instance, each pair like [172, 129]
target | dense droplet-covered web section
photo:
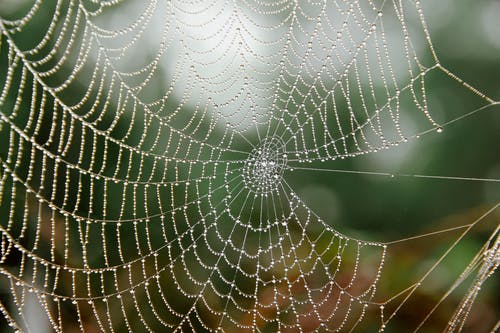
[147, 148]
[265, 166]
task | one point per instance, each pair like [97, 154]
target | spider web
[146, 162]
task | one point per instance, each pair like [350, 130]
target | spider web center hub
[263, 169]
